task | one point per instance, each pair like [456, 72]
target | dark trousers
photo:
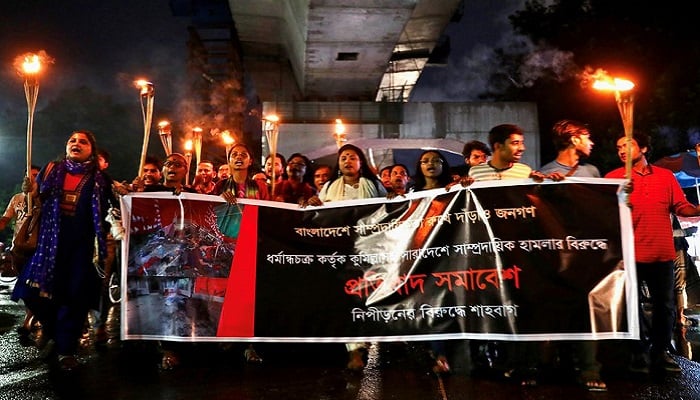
[660, 282]
[62, 323]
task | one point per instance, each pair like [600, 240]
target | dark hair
[642, 139]
[239, 144]
[319, 166]
[501, 133]
[153, 160]
[105, 154]
[444, 178]
[365, 170]
[277, 155]
[564, 130]
[475, 145]
[389, 167]
[206, 161]
[409, 183]
[91, 139]
[308, 175]
[184, 159]
[400, 165]
[282, 159]
[251, 167]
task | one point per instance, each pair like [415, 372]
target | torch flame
[145, 87]
[624, 97]
[339, 134]
[339, 127]
[227, 138]
[30, 64]
[166, 136]
[188, 145]
[164, 126]
[603, 81]
[615, 84]
[197, 142]
[272, 118]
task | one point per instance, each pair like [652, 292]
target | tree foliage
[652, 44]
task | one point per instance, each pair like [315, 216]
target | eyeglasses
[300, 164]
[435, 161]
[174, 164]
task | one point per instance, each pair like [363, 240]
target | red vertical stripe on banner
[238, 311]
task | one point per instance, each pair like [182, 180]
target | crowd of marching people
[59, 284]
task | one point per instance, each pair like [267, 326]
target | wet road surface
[130, 370]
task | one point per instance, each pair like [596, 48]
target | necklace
[353, 184]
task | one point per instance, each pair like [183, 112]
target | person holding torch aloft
[61, 282]
[655, 196]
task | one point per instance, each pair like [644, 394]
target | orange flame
[339, 127]
[164, 126]
[615, 84]
[272, 118]
[227, 138]
[30, 64]
[603, 81]
[270, 123]
[188, 145]
[144, 86]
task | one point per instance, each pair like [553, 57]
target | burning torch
[188, 157]
[339, 133]
[28, 66]
[166, 137]
[197, 143]
[624, 97]
[228, 141]
[270, 125]
[146, 96]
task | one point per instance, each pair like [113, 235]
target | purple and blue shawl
[43, 263]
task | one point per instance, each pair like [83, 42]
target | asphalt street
[130, 370]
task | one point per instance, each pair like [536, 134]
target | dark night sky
[107, 44]
[483, 26]
[103, 44]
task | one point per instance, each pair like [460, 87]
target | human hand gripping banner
[512, 260]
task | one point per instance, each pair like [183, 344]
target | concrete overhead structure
[312, 61]
[338, 49]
